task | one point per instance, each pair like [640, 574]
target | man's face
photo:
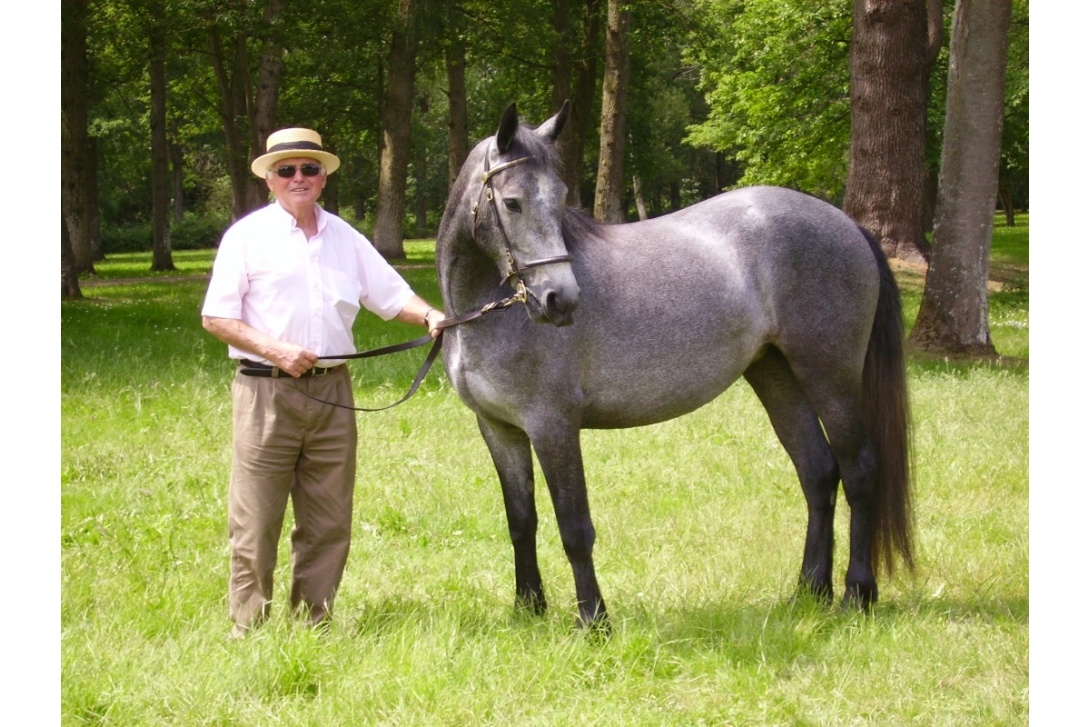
[298, 190]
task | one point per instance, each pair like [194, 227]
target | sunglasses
[309, 170]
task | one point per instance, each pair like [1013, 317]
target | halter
[514, 269]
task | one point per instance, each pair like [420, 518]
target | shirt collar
[289, 219]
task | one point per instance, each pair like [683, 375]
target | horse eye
[512, 205]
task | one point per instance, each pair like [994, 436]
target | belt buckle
[319, 371]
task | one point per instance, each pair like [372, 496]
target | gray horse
[653, 319]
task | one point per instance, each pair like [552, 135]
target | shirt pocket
[343, 292]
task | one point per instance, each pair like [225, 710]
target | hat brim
[265, 161]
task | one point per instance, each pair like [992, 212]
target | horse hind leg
[838, 401]
[799, 430]
[510, 450]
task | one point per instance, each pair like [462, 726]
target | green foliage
[776, 77]
[192, 232]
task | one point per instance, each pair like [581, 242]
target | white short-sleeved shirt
[269, 276]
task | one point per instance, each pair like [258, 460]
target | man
[286, 286]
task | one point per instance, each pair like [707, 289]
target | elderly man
[286, 286]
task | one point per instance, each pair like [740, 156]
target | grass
[699, 522]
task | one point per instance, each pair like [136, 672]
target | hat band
[293, 145]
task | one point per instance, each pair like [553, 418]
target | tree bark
[389, 235]
[953, 317]
[69, 274]
[609, 188]
[270, 70]
[76, 164]
[161, 258]
[893, 47]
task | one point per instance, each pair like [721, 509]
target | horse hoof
[860, 598]
[534, 605]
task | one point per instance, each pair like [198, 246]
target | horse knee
[578, 541]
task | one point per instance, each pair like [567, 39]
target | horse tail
[886, 417]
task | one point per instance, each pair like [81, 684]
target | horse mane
[580, 228]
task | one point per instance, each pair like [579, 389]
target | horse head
[519, 211]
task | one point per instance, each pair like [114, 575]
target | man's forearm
[286, 356]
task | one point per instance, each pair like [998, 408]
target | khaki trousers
[286, 445]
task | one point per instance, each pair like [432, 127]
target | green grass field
[700, 523]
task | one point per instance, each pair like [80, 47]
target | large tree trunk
[267, 94]
[397, 107]
[893, 47]
[953, 317]
[457, 109]
[161, 258]
[69, 274]
[76, 163]
[609, 189]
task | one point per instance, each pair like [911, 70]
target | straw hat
[288, 143]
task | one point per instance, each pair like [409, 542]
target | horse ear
[555, 125]
[509, 124]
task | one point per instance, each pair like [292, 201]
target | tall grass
[700, 524]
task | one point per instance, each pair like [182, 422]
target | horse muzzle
[553, 304]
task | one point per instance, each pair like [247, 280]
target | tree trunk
[609, 188]
[953, 317]
[891, 57]
[238, 115]
[637, 192]
[572, 143]
[69, 274]
[75, 147]
[267, 95]
[90, 190]
[458, 113]
[161, 258]
[177, 180]
[397, 107]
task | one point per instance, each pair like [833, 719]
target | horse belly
[665, 382]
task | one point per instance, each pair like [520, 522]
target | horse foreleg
[510, 450]
[797, 426]
[561, 460]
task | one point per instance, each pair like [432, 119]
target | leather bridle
[514, 270]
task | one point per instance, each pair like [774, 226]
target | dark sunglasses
[309, 170]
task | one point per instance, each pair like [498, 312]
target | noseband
[514, 269]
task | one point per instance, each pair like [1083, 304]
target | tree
[608, 191]
[571, 146]
[953, 315]
[775, 74]
[161, 258]
[454, 58]
[894, 45]
[397, 106]
[77, 166]
[246, 113]
[69, 274]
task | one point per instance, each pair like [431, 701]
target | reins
[520, 296]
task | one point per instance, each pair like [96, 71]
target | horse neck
[467, 277]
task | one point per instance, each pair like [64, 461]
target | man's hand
[288, 357]
[291, 359]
